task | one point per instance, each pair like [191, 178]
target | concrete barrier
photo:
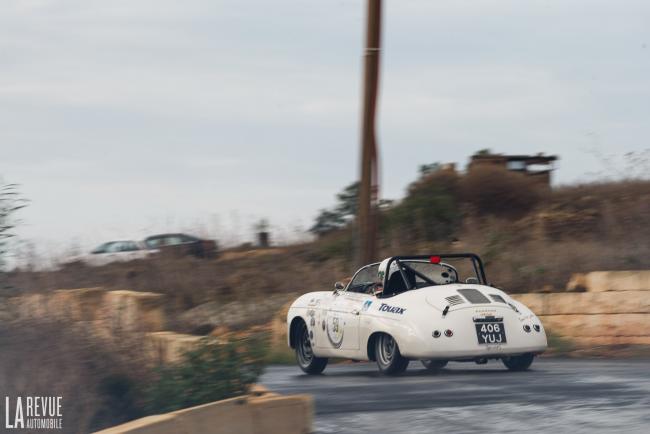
[257, 413]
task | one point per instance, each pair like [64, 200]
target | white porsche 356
[435, 309]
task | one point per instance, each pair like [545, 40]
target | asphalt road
[555, 396]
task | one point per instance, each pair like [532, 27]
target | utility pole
[369, 184]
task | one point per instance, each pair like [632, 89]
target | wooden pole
[369, 183]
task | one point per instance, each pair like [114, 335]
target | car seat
[395, 285]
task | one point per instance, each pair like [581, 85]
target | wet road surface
[555, 395]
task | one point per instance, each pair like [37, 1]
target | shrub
[612, 209]
[97, 381]
[210, 372]
[10, 202]
[430, 210]
[335, 245]
[496, 191]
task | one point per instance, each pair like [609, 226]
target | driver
[375, 289]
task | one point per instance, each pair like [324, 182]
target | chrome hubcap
[387, 349]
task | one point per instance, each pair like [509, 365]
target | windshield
[419, 272]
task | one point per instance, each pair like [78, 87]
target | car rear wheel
[434, 365]
[518, 363]
[389, 359]
[308, 362]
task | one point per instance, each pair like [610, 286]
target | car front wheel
[389, 359]
[434, 365]
[308, 362]
[518, 363]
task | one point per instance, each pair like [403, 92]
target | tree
[326, 222]
[10, 202]
[484, 151]
[348, 201]
[427, 169]
[345, 211]
[429, 212]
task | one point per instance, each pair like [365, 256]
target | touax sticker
[391, 309]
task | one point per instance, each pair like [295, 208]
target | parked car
[182, 244]
[114, 251]
[415, 308]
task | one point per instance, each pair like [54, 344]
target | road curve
[556, 395]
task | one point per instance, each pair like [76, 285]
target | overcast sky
[125, 117]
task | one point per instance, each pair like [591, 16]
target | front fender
[294, 315]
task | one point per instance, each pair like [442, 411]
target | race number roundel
[335, 330]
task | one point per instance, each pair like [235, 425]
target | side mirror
[472, 280]
[339, 286]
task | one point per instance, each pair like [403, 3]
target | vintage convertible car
[434, 308]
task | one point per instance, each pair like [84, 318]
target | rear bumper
[420, 343]
[474, 353]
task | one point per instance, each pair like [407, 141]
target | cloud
[117, 113]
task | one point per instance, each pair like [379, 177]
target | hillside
[531, 239]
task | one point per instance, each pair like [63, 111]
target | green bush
[429, 212]
[335, 245]
[210, 372]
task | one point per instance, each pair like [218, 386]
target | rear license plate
[490, 333]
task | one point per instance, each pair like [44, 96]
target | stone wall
[613, 309]
[106, 312]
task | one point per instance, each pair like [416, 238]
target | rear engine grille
[474, 296]
[497, 298]
[453, 300]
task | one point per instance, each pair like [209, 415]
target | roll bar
[476, 262]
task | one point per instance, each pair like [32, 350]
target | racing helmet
[383, 271]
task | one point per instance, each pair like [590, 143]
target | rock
[233, 315]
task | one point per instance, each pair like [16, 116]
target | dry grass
[191, 282]
[52, 358]
[573, 229]
[492, 190]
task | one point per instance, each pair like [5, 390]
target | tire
[308, 362]
[518, 363]
[389, 359]
[434, 365]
